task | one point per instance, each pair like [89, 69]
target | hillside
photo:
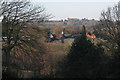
[71, 22]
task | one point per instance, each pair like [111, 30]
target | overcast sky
[63, 9]
[75, 0]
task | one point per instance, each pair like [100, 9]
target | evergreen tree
[83, 60]
[84, 32]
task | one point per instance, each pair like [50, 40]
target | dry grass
[55, 53]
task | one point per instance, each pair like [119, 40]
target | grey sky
[63, 10]
[74, 0]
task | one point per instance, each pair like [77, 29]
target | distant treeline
[70, 21]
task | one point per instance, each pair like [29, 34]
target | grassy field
[55, 52]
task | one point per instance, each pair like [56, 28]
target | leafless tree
[110, 24]
[16, 14]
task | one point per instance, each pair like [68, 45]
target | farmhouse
[91, 36]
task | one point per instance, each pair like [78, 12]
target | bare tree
[17, 14]
[110, 24]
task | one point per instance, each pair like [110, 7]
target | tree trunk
[8, 62]
[34, 73]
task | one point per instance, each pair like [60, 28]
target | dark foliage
[84, 60]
